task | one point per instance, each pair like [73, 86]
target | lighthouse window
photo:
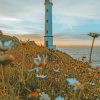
[47, 31]
[47, 21]
[46, 43]
[47, 10]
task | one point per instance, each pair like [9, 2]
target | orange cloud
[40, 41]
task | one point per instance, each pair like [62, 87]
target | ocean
[78, 52]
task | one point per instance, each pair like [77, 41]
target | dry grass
[16, 83]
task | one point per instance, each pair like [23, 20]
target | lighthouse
[48, 38]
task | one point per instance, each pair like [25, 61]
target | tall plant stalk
[90, 56]
[93, 35]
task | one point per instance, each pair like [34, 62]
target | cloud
[62, 40]
[75, 16]
[69, 16]
[73, 37]
[81, 8]
[21, 16]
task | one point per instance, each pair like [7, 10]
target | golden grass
[16, 83]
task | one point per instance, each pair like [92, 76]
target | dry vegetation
[19, 82]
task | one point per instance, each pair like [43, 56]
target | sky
[72, 19]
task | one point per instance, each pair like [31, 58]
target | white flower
[41, 76]
[37, 60]
[56, 70]
[44, 96]
[35, 69]
[40, 59]
[59, 98]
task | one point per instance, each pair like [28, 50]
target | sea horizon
[78, 52]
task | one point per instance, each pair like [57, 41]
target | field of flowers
[33, 71]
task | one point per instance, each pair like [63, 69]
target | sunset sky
[72, 19]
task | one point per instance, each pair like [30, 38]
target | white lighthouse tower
[48, 38]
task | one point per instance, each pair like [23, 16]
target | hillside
[37, 69]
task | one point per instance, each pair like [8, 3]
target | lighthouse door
[46, 43]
